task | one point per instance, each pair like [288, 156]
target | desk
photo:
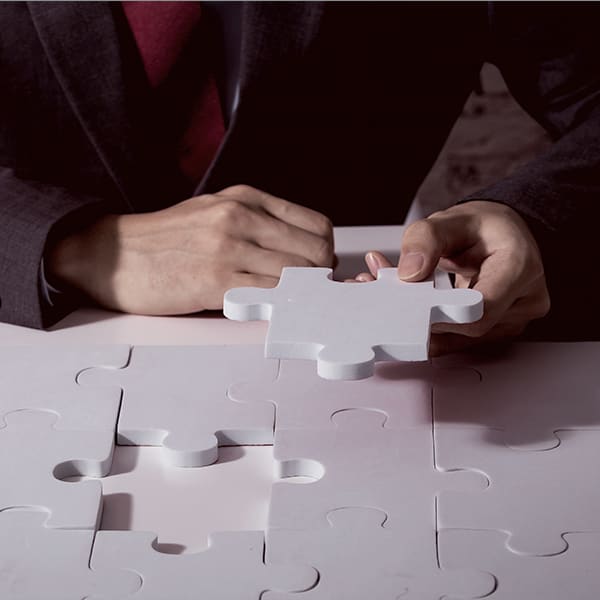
[184, 505]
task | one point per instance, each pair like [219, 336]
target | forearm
[30, 212]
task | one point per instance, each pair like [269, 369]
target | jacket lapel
[80, 40]
[271, 31]
[275, 30]
[82, 44]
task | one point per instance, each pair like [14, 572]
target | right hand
[182, 259]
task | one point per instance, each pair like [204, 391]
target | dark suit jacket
[343, 108]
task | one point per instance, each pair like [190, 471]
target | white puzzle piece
[39, 563]
[358, 557]
[574, 574]
[232, 568]
[347, 327]
[34, 456]
[176, 397]
[528, 390]
[44, 378]
[360, 463]
[304, 400]
[533, 496]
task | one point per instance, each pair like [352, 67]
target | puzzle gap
[230, 495]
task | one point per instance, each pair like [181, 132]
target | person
[154, 155]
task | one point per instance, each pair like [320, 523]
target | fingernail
[372, 262]
[410, 265]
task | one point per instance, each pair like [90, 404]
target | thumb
[426, 241]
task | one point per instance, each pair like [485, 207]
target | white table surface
[182, 506]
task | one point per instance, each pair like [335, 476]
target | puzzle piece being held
[347, 327]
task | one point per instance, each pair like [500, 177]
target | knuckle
[219, 245]
[295, 261]
[229, 212]
[240, 189]
[323, 225]
[541, 307]
[323, 252]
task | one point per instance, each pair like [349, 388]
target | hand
[490, 248]
[182, 259]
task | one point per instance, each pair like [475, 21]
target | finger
[253, 259]
[426, 241]
[534, 305]
[466, 263]
[288, 212]
[500, 287]
[273, 234]
[364, 277]
[242, 221]
[447, 343]
[375, 261]
[252, 280]
[214, 301]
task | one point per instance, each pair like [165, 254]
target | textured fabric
[161, 31]
[341, 109]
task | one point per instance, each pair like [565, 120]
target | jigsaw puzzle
[400, 390]
[572, 574]
[232, 568]
[527, 390]
[359, 557]
[34, 456]
[347, 327]
[43, 378]
[408, 502]
[176, 397]
[533, 496]
[395, 468]
[40, 563]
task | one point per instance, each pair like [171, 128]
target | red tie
[161, 30]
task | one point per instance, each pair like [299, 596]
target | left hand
[491, 249]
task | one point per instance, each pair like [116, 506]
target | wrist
[74, 260]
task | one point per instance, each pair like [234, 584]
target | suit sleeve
[549, 55]
[31, 213]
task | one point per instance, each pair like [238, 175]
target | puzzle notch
[176, 397]
[396, 469]
[232, 567]
[54, 386]
[401, 390]
[525, 498]
[528, 390]
[34, 456]
[358, 556]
